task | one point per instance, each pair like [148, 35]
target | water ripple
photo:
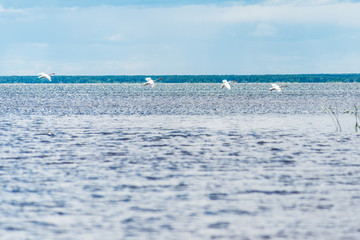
[98, 161]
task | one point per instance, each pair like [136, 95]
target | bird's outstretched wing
[41, 75]
[275, 87]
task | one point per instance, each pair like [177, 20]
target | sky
[162, 37]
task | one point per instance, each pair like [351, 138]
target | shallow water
[180, 161]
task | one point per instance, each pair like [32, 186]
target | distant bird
[44, 75]
[276, 87]
[151, 82]
[226, 84]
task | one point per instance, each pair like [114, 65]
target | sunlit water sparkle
[180, 161]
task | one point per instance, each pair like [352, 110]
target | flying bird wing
[275, 87]
[41, 75]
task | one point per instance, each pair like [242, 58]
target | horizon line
[266, 74]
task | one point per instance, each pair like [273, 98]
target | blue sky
[94, 37]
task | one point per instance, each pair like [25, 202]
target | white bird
[276, 87]
[226, 84]
[151, 82]
[45, 75]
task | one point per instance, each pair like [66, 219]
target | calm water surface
[180, 161]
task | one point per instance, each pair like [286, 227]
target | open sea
[178, 161]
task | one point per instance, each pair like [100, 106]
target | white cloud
[9, 10]
[24, 66]
[115, 67]
[284, 12]
[116, 38]
[264, 30]
[198, 39]
[40, 45]
[340, 63]
[96, 67]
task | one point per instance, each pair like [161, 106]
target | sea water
[179, 161]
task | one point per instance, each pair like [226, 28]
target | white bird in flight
[226, 84]
[276, 87]
[151, 82]
[45, 75]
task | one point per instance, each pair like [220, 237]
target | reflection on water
[173, 99]
[177, 162]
